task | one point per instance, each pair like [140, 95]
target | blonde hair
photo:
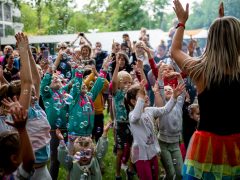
[122, 75]
[192, 108]
[222, 53]
[83, 142]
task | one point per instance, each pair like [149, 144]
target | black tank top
[220, 108]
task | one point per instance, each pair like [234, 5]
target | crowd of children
[52, 110]
[68, 96]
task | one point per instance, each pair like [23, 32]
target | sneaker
[118, 178]
[124, 167]
[130, 175]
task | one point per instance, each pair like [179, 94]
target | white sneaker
[124, 167]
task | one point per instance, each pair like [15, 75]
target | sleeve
[105, 85]
[159, 111]
[134, 59]
[89, 79]
[63, 157]
[75, 91]
[161, 88]
[45, 90]
[67, 87]
[101, 148]
[21, 174]
[98, 85]
[181, 99]
[136, 113]
[153, 67]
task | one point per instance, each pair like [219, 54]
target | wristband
[180, 25]
[160, 83]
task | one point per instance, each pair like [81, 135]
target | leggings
[147, 169]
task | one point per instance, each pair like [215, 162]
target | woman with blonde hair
[214, 150]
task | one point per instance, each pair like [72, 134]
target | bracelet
[180, 25]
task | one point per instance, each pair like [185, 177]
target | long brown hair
[222, 53]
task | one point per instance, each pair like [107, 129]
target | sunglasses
[84, 154]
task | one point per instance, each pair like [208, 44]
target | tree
[59, 16]
[128, 15]
[28, 18]
[232, 8]
[78, 23]
[203, 14]
[158, 7]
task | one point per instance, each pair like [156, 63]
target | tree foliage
[59, 16]
[232, 8]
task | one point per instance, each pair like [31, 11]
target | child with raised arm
[121, 81]
[11, 150]
[85, 164]
[81, 110]
[56, 100]
[145, 146]
[16, 152]
[170, 129]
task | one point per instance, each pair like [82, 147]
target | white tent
[106, 38]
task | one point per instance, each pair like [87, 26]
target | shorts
[123, 135]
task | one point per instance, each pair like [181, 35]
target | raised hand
[59, 134]
[139, 65]
[221, 10]
[161, 66]
[142, 93]
[182, 14]
[107, 127]
[107, 61]
[191, 46]
[11, 104]
[22, 41]
[178, 90]
[172, 75]
[19, 116]
[155, 88]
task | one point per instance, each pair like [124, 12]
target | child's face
[195, 114]
[167, 69]
[168, 91]
[125, 38]
[116, 48]
[125, 83]
[85, 52]
[122, 61]
[56, 83]
[84, 156]
[84, 89]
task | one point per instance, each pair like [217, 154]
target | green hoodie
[54, 102]
[81, 110]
